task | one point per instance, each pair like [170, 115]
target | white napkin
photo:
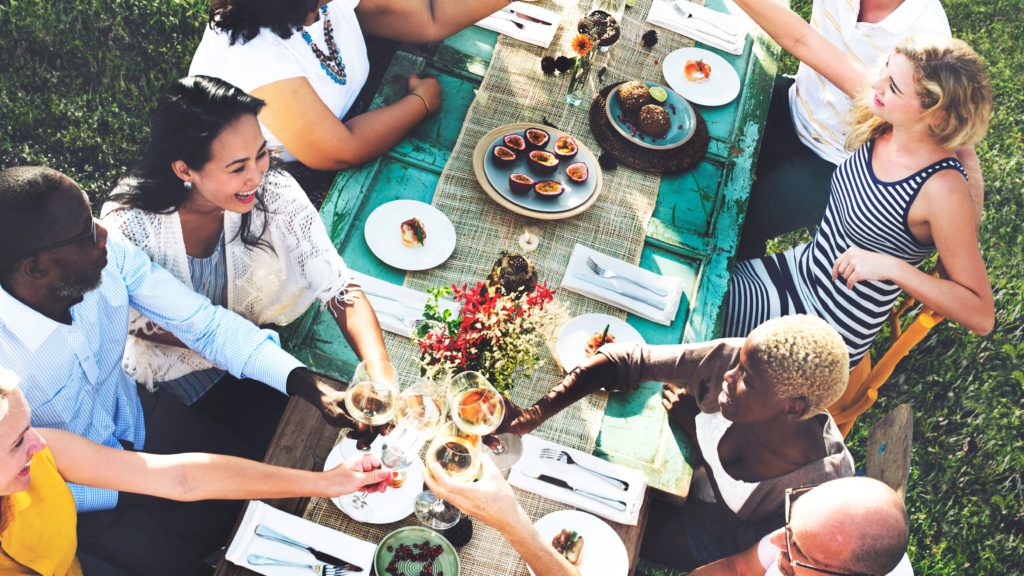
[532, 32]
[531, 461]
[322, 538]
[663, 14]
[578, 264]
[392, 303]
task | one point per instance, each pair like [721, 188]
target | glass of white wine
[458, 455]
[421, 412]
[477, 408]
[372, 398]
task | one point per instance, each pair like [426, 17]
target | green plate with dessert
[411, 550]
[651, 115]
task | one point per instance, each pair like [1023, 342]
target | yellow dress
[39, 536]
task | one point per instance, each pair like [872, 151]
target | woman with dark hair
[206, 204]
[307, 59]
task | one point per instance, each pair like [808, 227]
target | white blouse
[267, 285]
[268, 58]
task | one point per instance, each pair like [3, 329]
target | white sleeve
[263, 60]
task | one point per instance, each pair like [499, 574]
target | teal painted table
[692, 234]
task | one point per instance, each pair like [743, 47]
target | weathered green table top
[692, 235]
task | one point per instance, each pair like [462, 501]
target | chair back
[865, 379]
[888, 457]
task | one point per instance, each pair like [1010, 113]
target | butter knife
[627, 292]
[610, 502]
[526, 17]
[264, 531]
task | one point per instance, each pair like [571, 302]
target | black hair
[26, 221]
[243, 19]
[189, 117]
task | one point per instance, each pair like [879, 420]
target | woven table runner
[515, 90]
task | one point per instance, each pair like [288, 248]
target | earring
[187, 185]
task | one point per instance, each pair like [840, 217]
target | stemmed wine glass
[458, 454]
[372, 398]
[479, 409]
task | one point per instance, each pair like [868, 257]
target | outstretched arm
[806, 44]
[194, 476]
[422, 20]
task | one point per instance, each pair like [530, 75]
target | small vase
[579, 81]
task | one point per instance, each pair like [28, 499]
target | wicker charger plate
[483, 147]
[625, 151]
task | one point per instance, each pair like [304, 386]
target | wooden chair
[888, 449]
[865, 379]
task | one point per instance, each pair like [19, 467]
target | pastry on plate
[633, 96]
[413, 233]
[569, 544]
[653, 120]
[697, 70]
[596, 340]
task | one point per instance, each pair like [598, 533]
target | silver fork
[688, 15]
[608, 274]
[564, 457]
[405, 320]
[318, 569]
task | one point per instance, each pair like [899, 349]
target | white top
[710, 429]
[768, 554]
[268, 58]
[266, 286]
[818, 107]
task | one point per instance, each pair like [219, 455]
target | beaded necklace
[330, 63]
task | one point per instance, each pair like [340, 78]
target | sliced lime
[658, 94]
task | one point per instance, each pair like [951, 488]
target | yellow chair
[865, 379]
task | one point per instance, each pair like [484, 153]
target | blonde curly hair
[804, 357]
[952, 86]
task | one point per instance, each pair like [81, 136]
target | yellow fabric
[39, 537]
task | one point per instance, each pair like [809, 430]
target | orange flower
[582, 44]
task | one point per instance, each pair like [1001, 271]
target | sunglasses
[87, 235]
[791, 495]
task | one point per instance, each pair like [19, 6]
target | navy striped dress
[864, 212]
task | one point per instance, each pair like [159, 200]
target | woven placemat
[646, 159]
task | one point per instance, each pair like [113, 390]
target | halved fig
[503, 156]
[515, 142]
[578, 172]
[543, 162]
[549, 188]
[566, 147]
[520, 183]
[536, 138]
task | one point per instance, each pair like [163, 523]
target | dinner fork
[404, 320]
[608, 274]
[564, 457]
[511, 19]
[685, 13]
[318, 569]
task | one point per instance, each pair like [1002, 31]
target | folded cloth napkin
[698, 27]
[532, 32]
[322, 538]
[396, 306]
[577, 272]
[531, 464]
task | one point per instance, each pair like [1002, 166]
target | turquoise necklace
[330, 63]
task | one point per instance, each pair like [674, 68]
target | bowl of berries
[415, 551]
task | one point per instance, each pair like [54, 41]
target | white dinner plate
[385, 507]
[721, 88]
[384, 235]
[604, 554]
[572, 339]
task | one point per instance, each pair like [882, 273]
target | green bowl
[447, 564]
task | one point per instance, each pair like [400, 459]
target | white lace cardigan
[265, 286]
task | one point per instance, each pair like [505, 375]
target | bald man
[846, 526]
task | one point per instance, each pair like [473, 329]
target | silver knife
[611, 502]
[526, 17]
[264, 531]
[690, 14]
[629, 293]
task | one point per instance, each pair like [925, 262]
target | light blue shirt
[72, 375]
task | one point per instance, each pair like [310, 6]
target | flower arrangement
[497, 334]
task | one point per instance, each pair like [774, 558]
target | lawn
[77, 82]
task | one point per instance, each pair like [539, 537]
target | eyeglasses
[89, 234]
[791, 495]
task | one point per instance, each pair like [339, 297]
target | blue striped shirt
[71, 375]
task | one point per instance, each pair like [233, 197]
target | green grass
[78, 81]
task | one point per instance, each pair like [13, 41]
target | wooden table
[303, 440]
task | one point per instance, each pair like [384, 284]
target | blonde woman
[37, 514]
[900, 197]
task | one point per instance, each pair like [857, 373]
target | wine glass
[421, 412]
[372, 398]
[477, 408]
[458, 455]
